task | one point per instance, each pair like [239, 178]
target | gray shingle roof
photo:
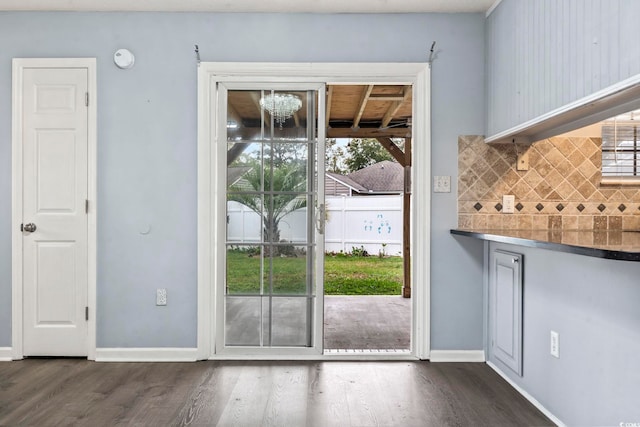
[382, 177]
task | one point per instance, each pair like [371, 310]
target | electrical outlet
[442, 184]
[508, 203]
[555, 344]
[161, 297]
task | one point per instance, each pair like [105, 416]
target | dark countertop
[618, 244]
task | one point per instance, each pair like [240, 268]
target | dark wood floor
[37, 392]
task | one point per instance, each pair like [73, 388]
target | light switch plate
[442, 184]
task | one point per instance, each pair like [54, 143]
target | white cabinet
[505, 308]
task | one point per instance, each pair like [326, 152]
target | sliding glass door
[270, 293]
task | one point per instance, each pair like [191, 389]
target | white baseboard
[527, 396]
[161, 354]
[6, 354]
[457, 356]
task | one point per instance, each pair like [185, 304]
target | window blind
[621, 148]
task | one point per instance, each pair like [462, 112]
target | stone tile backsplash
[561, 189]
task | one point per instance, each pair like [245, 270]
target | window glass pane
[244, 170]
[243, 320]
[245, 120]
[283, 214]
[244, 267]
[286, 114]
[244, 221]
[290, 321]
[288, 269]
[289, 167]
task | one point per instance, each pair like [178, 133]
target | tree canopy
[282, 176]
[335, 156]
[357, 154]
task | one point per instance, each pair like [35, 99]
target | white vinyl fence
[244, 225]
[366, 221]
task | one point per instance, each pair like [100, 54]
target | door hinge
[86, 99]
[86, 206]
[86, 313]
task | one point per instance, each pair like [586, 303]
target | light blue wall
[593, 304]
[544, 54]
[147, 146]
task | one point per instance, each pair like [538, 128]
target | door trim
[18, 67]
[417, 74]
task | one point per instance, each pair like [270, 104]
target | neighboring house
[235, 177]
[382, 178]
[336, 184]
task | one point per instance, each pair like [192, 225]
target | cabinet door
[505, 309]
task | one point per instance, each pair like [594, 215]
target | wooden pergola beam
[234, 152]
[363, 103]
[383, 97]
[329, 99]
[394, 107]
[368, 133]
[404, 158]
[392, 149]
[233, 114]
[247, 133]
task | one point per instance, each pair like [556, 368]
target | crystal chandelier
[281, 106]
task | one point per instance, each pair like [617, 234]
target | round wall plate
[124, 58]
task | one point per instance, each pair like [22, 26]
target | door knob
[30, 228]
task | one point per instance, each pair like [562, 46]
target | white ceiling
[307, 6]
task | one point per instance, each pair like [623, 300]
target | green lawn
[344, 275]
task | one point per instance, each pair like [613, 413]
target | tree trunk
[271, 235]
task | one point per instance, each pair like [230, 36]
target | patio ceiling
[353, 111]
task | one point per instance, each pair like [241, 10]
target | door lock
[29, 228]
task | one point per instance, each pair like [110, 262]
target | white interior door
[270, 281]
[55, 234]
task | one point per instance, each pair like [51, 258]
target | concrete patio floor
[367, 322]
[350, 322]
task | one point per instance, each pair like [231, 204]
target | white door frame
[19, 65]
[416, 74]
